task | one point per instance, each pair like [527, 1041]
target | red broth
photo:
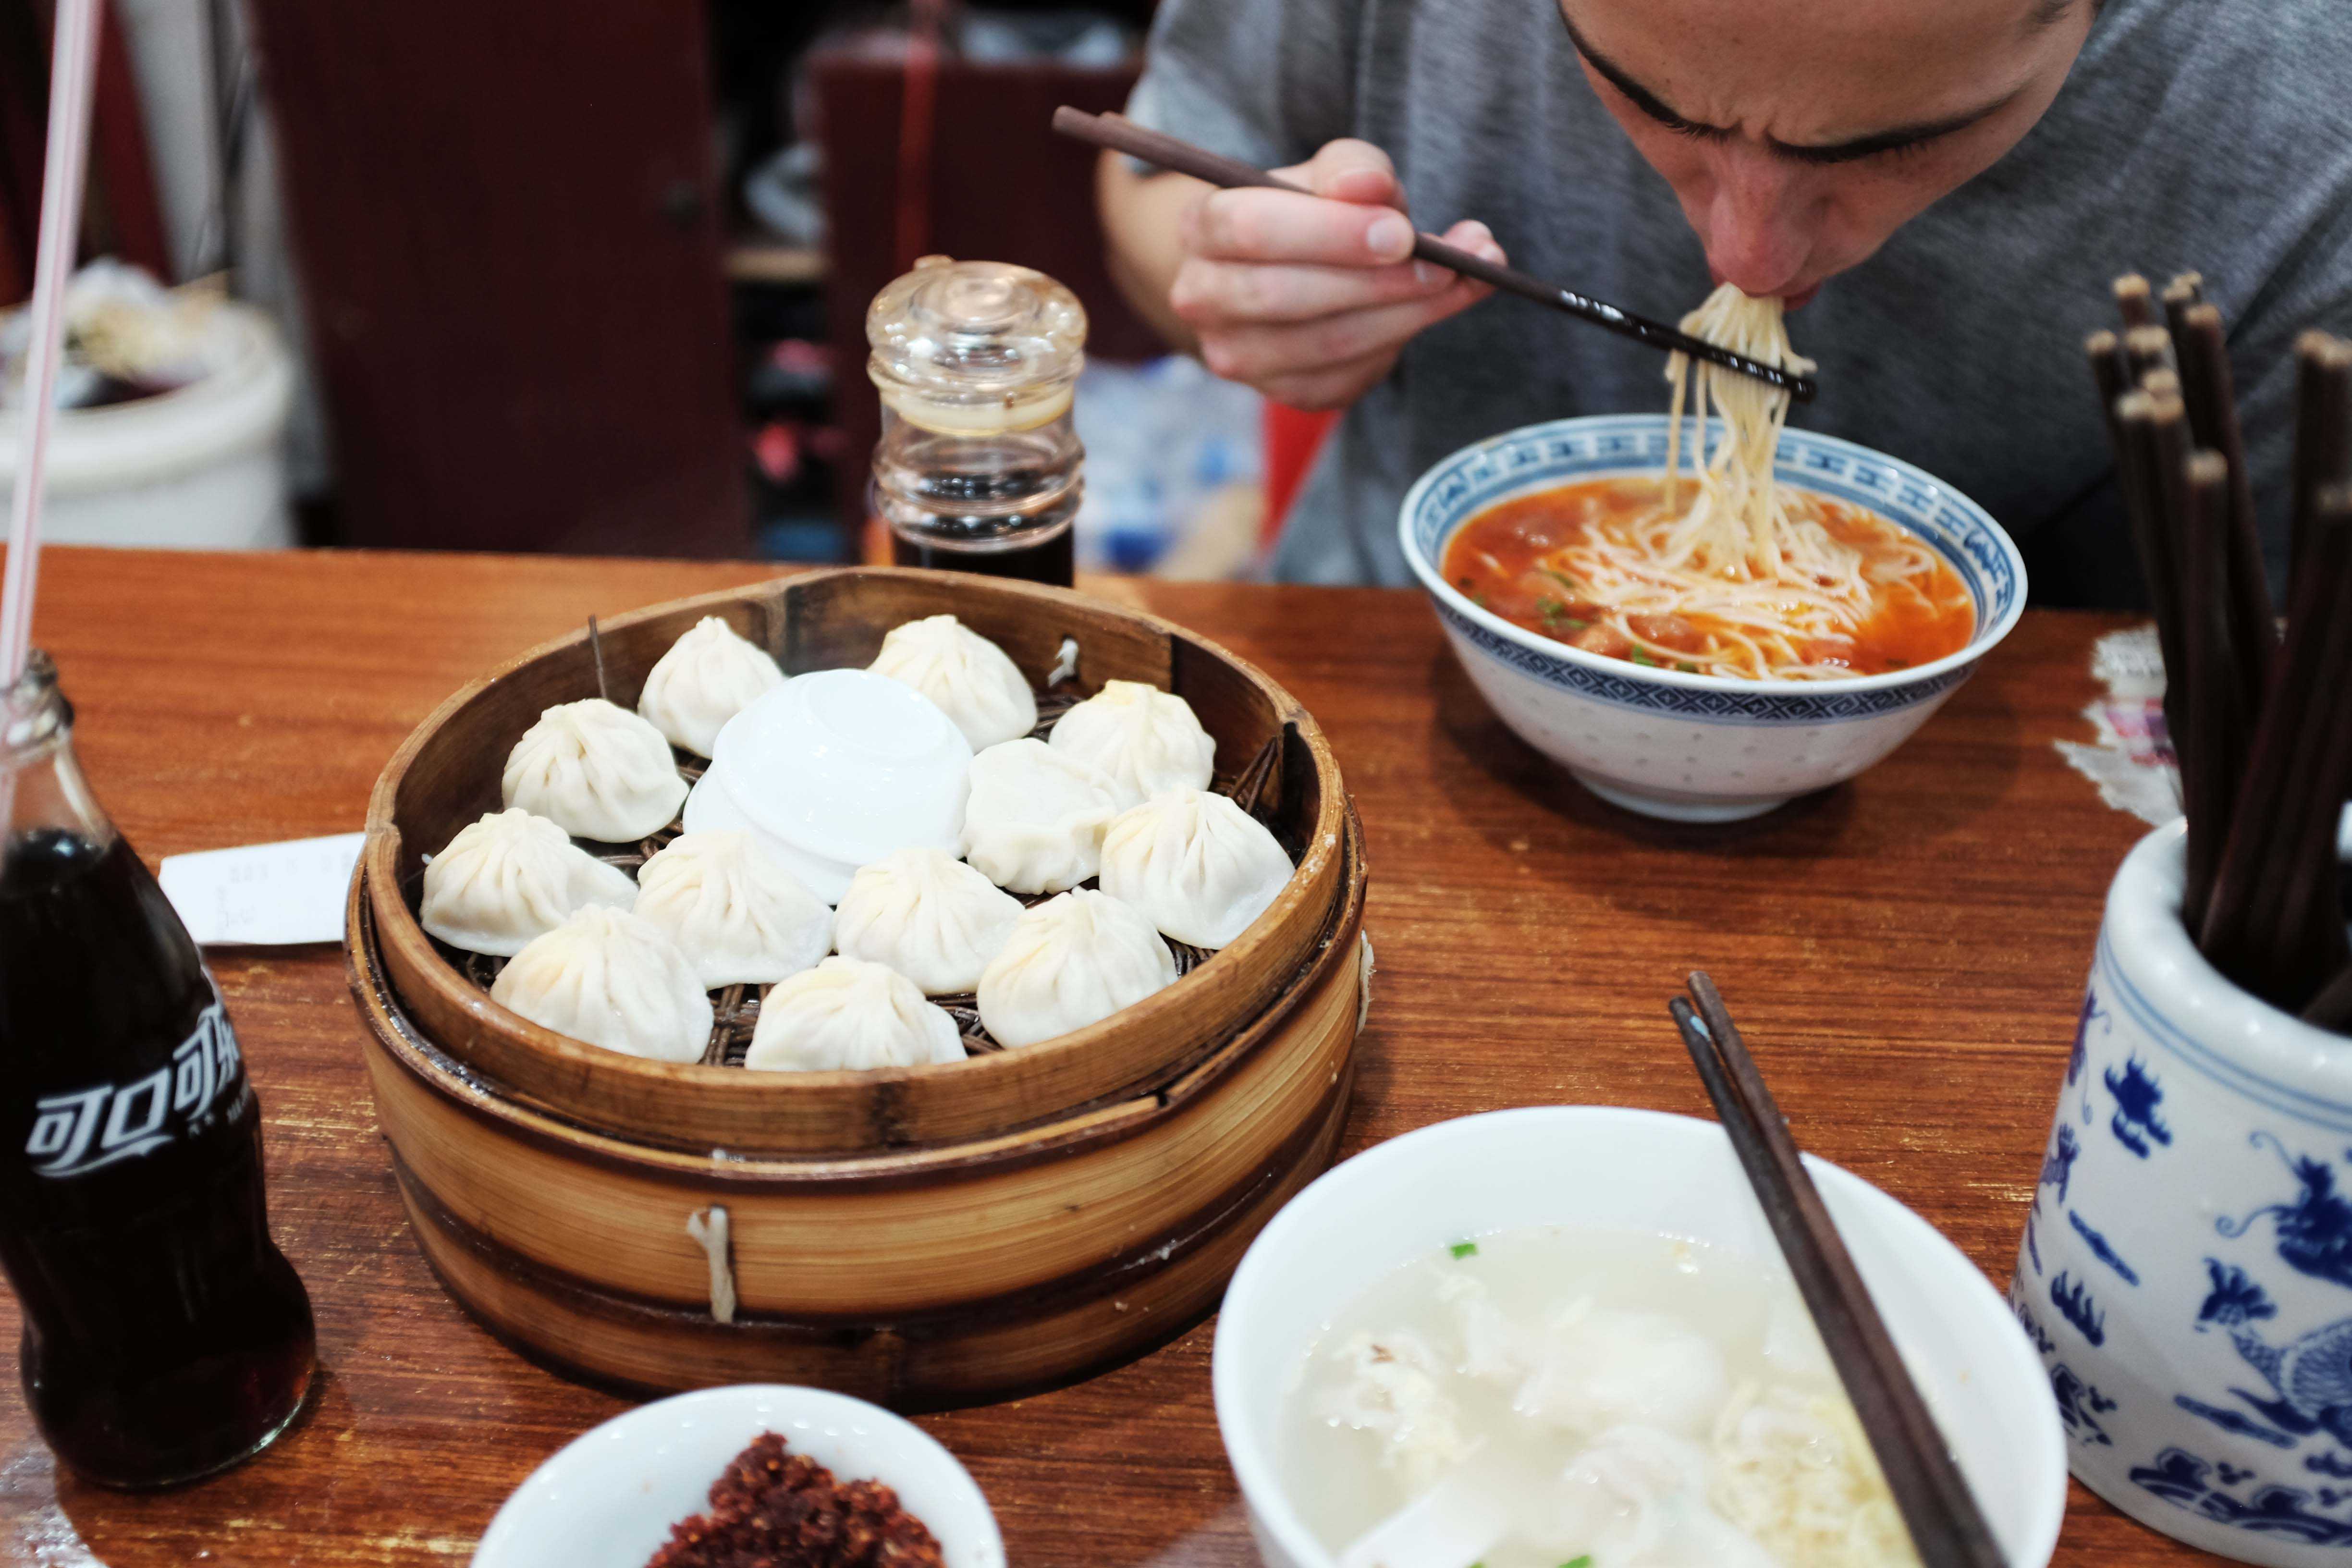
[1504, 560]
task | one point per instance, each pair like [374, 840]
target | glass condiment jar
[978, 468]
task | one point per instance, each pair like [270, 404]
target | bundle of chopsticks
[2261, 720]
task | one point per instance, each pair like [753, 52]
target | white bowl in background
[608, 1498]
[1699, 748]
[1609, 1167]
[833, 769]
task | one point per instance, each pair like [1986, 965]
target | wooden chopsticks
[2261, 726]
[1117, 134]
[1941, 1513]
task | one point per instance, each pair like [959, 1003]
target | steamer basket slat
[924, 1237]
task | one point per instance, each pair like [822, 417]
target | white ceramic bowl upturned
[1699, 748]
[1611, 1168]
[609, 1499]
[2187, 1265]
[832, 771]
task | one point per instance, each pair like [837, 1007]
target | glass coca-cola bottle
[165, 1336]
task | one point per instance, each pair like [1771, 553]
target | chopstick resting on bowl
[1942, 1514]
[1114, 133]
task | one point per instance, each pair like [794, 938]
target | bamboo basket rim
[396, 923]
[1080, 1129]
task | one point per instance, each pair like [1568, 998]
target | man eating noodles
[1945, 186]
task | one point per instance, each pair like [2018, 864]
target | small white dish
[833, 769]
[609, 1498]
[1613, 1168]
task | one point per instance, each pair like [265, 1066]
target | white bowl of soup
[1575, 1321]
[1548, 553]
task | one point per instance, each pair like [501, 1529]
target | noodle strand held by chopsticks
[1776, 591]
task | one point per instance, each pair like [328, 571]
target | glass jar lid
[975, 346]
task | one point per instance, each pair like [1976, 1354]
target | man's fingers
[1332, 386]
[1258, 353]
[1476, 238]
[1258, 225]
[1352, 171]
[1209, 294]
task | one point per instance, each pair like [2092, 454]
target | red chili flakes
[779, 1510]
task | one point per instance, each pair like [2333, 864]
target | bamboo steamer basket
[920, 1237]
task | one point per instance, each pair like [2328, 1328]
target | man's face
[1800, 134]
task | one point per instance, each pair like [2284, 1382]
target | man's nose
[1761, 223]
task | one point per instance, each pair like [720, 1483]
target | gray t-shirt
[2213, 135]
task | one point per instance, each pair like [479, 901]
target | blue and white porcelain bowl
[2186, 1266]
[1699, 748]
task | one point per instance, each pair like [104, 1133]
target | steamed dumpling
[1146, 739]
[708, 677]
[1198, 866]
[512, 876]
[1035, 820]
[613, 980]
[597, 770]
[741, 918]
[847, 1014]
[1071, 961]
[975, 682]
[926, 915]
[1598, 1367]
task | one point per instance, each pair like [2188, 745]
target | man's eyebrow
[1648, 102]
[1845, 151]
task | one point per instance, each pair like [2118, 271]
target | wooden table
[1908, 953]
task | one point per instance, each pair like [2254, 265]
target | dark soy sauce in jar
[1051, 561]
[165, 1336]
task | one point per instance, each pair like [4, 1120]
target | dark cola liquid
[1052, 561]
[165, 1336]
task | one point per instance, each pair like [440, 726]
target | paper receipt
[264, 895]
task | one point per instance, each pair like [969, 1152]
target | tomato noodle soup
[1583, 564]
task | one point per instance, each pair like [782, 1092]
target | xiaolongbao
[975, 682]
[1035, 820]
[613, 980]
[596, 770]
[1071, 961]
[512, 876]
[1146, 739]
[1198, 866]
[741, 919]
[846, 1014]
[926, 915]
[708, 677]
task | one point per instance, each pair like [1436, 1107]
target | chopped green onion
[1583, 1562]
[1572, 624]
[1565, 581]
[1464, 1249]
[1638, 657]
[1550, 609]
[1687, 669]
[1479, 600]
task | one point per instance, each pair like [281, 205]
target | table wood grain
[1906, 954]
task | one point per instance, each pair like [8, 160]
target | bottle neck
[40, 779]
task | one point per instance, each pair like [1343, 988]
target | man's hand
[1310, 297]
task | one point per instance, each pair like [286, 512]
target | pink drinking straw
[71, 70]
